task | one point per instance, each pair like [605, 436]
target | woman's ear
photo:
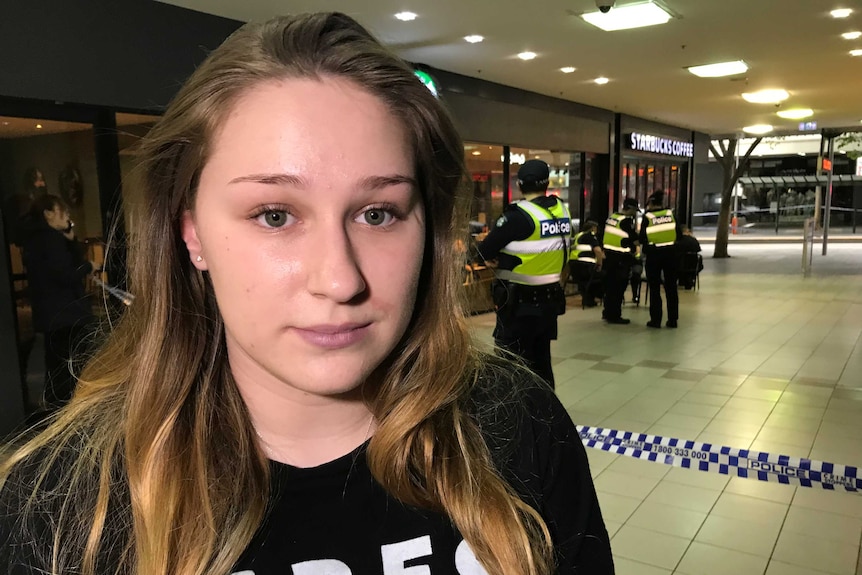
[193, 244]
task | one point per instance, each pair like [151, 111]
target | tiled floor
[763, 359]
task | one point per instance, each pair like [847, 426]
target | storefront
[651, 157]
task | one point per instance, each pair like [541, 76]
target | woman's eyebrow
[280, 179]
[378, 182]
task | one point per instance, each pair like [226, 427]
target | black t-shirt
[335, 519]
[337, 516]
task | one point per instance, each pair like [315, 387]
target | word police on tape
[726, 460]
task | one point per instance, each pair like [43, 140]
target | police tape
[725, 460]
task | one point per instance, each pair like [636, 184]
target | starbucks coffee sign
[659, 145]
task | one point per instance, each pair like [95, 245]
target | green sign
[428, 81]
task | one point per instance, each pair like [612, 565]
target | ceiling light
[841, 13]
[757, 129]
[567, 69]
[38, 126]
[474, 38]
[851, 35]
[719, 70]
[406, 16]
[795, 113]
[527, 55]
[601, 80]
[766, 96]
[476, 153]
[856, 52]
[628, 16]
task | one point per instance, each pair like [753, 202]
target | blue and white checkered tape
[725, 460]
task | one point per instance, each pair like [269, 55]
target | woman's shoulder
[524, 424]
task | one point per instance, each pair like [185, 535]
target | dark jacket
[56, 270]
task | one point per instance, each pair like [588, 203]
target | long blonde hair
[153, 468]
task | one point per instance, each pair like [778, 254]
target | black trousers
[661, 268]
[588, 280]
[617, 273]
[70, 343]
[529, 337]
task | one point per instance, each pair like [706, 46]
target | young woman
[62, 311]
[294, 389]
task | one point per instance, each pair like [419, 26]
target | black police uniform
[662, 265]
[526, 314]
[617, 267]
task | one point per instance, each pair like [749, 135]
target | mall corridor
[764, 359]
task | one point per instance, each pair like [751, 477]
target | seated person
[585, 263]
[636, 278]
[687, 243]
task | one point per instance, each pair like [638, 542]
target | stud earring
[199, 259]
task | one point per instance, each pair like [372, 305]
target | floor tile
[694, 409]
[750, 509]
[684, 496]
[824, 554]
[780, 568]
[667, 519]
[637, 486]
[704, 559]
[744, 536]
[816, 523]
[623, 566]
[647, 546]
[706, 398]
[632, 466]
[696, 478]
[775, 492]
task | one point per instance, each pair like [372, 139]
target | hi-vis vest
[543, 253]
[614, 235]
[582, 252]
[661, 228]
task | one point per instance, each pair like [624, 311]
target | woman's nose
[333, 267]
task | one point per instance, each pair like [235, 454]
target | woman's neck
[302, 429]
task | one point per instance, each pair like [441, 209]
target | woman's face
[310, 224]
[57, 217]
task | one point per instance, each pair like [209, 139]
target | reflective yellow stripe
[527, 279]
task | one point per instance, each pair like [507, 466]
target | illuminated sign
[429, 82]
[515, 158]
[658, 145]
[807, 126]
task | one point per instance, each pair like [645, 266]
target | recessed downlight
[856, 52]
[841, 13]
[567, 69]
[757, 129]
[601, 80]
[635, 15]
[406, 16]
[766, 96]
[474, 38]
[851, 35]
[527, 55]
[38, 126]
[719, 69]
[795, 113]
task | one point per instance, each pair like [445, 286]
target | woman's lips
[334, 336]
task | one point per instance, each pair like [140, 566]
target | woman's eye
[377, 217]
[273, 218]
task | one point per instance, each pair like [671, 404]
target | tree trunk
[722, 232]
[731, 176]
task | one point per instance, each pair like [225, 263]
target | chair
[690, 264]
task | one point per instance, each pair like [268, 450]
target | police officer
[659, 231]
[586, 262]
[531, 242]
[621, 246]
